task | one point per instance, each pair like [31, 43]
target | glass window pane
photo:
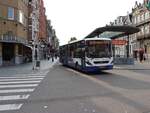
[20, 16]
[11, 13]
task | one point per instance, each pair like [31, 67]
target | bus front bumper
[98, 68]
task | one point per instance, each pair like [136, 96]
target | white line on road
[16, 90]
[7, 107]
[18, 86]
[20, 82]
[14, 97]
[1, 80]
[4, 77]
[33, 76]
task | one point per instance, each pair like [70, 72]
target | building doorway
[8, 55]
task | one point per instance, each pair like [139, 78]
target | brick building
[42, 30]
[13, 31]
[42, 22]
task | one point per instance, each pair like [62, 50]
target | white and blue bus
[88, 55]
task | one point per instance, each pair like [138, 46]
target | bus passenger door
[83, 58]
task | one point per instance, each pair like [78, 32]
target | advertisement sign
[119, 42]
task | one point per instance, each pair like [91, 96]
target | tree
[147, 3]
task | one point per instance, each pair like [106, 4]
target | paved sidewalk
[23, 69]
[145, 65]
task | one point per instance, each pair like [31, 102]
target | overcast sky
[77, 18]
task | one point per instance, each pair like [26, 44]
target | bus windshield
[98, 49]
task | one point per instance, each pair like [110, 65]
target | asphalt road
[64, 90]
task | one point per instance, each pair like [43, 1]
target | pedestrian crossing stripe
[20, 82]
[5, 77]
[18, 86]
[7, 107]
[16, 90]
[10, 86]
[1, 80]
[14, 97]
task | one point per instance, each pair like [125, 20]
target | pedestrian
[55, 55]
[52, 57]
[135, 54]
[141, 55]
[48, 57]
[145, 56]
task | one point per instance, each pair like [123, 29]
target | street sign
[119, 42]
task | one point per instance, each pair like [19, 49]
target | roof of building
[113, 31]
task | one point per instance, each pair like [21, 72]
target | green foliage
[148, 5]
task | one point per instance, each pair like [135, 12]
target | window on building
[134, 37]
[10, 13]
[135, 21]
[142, 17]
[147, 15]
[21, 19]
[147, 29]
[25, 21]
[26, 1]
[142, 30]
[138, 19]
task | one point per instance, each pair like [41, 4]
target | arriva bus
[88, 55]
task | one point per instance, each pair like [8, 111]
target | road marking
[7, 107]
[33, 76]
[14, 97]
[2, 80]
[100, 82]
[16, 90]
[22, 77]
[18, 86]
[20, 82]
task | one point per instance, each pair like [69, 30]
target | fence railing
[13, 39]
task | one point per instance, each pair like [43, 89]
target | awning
[113, 31]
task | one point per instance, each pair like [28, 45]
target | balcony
[12, 39]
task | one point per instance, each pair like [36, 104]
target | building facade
[13, 31]
[53, 42]
[121, 50]
[42, 22]
[141, 19]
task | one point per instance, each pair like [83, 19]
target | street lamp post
[35, 29]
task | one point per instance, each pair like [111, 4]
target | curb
[122, 68]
